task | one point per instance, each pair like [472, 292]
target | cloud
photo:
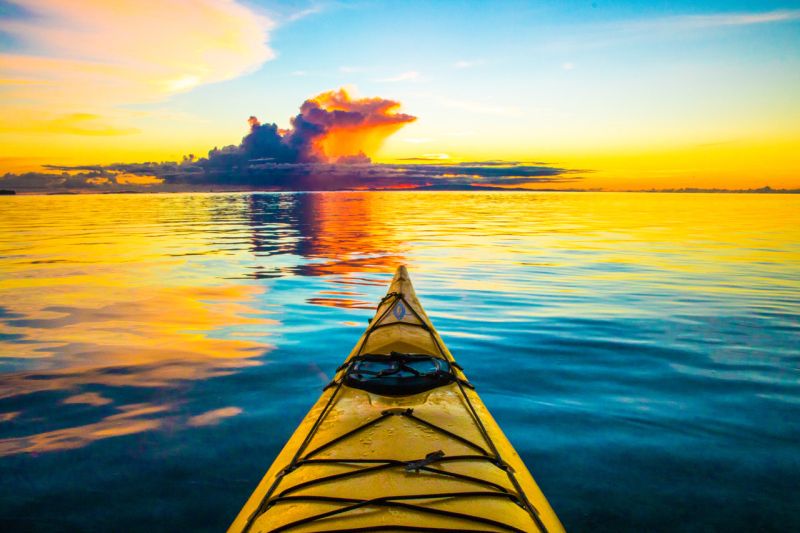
[411, 75]
[327, 147]
[303, 13]
[479, 107]
[82, 179]
[671, 25]
[428, 157]
[670, 28]
[86, 124]
[329, 127]
[716, 20]
[127, 51]
[462, 64]
[237, 174]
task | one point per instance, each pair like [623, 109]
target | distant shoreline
[762, 190]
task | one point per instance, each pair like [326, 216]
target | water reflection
[149, 292]
[102, 295]
[339, 233]
[209, 321]
[131, 418]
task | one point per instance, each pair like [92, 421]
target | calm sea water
[640, 350]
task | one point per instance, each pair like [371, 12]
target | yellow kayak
[398, 441]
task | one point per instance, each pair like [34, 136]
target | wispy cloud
[411, 75]
[88, 124]
[622, 32]
[303, 13]
[127, 51]
[680, 24]
[671, 26]
[479, 107]
[716, 20]
[427, 157]
[462, 64]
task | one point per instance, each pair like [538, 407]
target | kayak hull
[431, 461]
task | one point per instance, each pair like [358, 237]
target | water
[639, 350]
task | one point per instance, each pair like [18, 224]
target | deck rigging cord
[445, 371]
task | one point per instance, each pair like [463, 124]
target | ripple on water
[640, 351]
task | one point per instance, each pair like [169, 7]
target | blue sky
[582, 83]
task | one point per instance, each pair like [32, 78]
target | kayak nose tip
[401, 273]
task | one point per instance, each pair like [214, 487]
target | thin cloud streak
[479, 107]
[463, 64]
[713, 20]
[411, 75]
[303, 13]
[621, 32]
[84, 124]
[419, 173]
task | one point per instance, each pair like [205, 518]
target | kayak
[398, 441]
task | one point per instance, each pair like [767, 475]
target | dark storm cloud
[47, 181]
[316, 176]
[217, 172]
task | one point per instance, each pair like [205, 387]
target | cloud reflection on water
[105, 303]
[155, 293]
[137, 334]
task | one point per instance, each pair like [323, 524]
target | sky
[600, 95]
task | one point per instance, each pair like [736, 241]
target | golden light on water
[150, 291]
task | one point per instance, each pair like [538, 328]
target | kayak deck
[433, 460]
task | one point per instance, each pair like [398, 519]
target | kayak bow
[398, 441]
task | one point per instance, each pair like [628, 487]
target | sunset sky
[625, 95]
